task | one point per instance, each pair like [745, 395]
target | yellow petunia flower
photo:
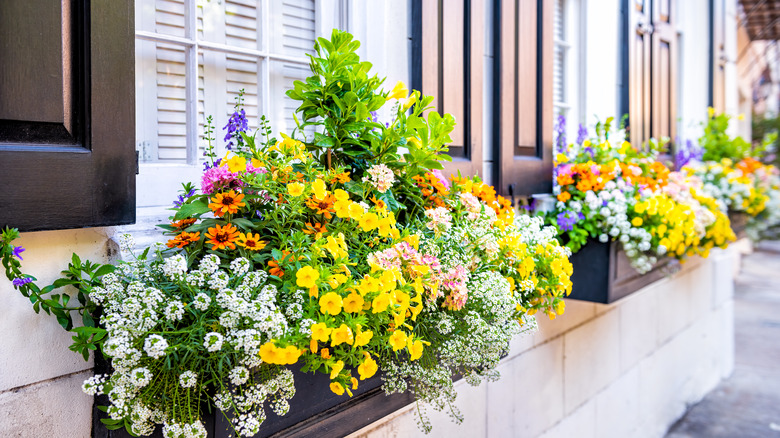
[397, 340]
[368, 368]
[295, 189]
[353, 303]
[342, 335]
[307, 277]
[330, 303]
[320, 332]
[380, 303]
[399, 91]
[337, 388]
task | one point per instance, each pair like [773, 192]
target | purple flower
[21, 281]
[560, 134]
[567, 219]
[531, 205]
[687, 153]
[582, 134]
[236, 124]
[177, 203]
[17, 252]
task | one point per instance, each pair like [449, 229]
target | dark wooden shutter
[652, 69]
[447, 57]
[524, 95]
[67, 113]
[639, 52]
[717, 56]
[664, 73]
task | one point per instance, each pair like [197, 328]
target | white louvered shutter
[559, 57]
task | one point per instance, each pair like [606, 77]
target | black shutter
[523, 97]
[67, 113]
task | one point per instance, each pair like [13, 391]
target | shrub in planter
[345, 253]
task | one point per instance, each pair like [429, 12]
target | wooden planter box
[314, 410]
[739, 221]
[603, 273]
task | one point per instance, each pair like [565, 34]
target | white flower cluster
[147, 310]
[609, 210]
[248, 405]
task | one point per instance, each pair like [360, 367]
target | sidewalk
[747, 405]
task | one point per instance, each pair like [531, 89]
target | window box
[739, 221]
[603, 274]
[314, 410]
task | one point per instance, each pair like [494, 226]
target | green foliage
[718, 144]
[339, 99]
[81, 277]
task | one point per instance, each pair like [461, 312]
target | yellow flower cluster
[671, 224]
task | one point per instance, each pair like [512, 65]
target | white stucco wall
[628, 369]
[40, 378]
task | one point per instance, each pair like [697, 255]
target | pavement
[747, 404]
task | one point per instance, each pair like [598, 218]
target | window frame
[51, 184]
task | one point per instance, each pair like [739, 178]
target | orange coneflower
[222, 237]
[226, 203]
[183, 239]
[317, 229]
[322, 206]
[250, 241]
[184, 223]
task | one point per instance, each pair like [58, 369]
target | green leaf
[192, 209]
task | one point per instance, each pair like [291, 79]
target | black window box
[739, 220]
[315, 411]
[603, 273]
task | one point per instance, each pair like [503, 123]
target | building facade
[506, 70]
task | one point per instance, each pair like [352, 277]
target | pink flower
[440, 176]
[217, 178]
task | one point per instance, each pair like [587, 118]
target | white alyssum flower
[239, 375]
[239, 266]
[155, 346]
[94, 384]
[188, 379]
[126, 242]
[213, 341]
[201, 301]
[174, 311]
[141, 377]
[175, 267]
